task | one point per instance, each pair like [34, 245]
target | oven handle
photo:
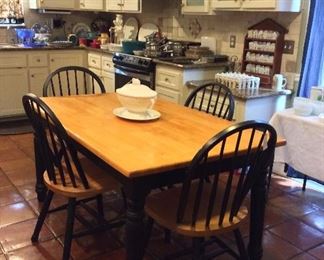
[132, 74]
[128, 69]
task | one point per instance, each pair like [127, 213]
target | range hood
[53, 11]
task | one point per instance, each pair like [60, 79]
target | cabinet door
[131, 5]
[108, 79]
[259, 4]
[195, 6]
[167, 94]
[226, 4]
[62, 59]
[123, 5]
[114, 5]
[55, 4]
[91, 5]
[14, 84]
[37, 77]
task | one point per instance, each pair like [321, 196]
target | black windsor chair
[201, 209]
[79, 180]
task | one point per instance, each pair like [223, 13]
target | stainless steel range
[130, 66]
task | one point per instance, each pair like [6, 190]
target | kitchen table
[145, 155]
[305, 142]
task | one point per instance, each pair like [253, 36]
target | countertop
[244, 94]
[16, 47]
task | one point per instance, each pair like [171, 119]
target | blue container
[25, 36]
[130, 46]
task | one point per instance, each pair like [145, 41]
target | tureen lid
[136, 89]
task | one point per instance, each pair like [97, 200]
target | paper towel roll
[210, 42]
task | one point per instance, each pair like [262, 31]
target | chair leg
[100, 207]
[69, 229]
[240, 245]
[167, 235]
[42, 216]
[304, 182]
[198, 249]
[148, 231]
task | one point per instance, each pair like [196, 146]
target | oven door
[124, 75]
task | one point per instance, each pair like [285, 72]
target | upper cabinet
[265, 5]
[91, 5]
[53, 4]
[195, 6]
[127, 6]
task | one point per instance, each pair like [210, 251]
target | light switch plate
[289, 47]
[232, 41]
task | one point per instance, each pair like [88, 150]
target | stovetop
[133, 61]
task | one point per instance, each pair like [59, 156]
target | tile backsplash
[166, 14]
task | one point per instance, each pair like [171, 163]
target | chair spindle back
[58, 151]
[214, 98]
[232, 176]
[72, 80]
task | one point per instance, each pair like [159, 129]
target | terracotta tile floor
[294, 224]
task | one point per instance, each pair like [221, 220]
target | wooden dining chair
[213, 98]
[206, 210]
[79, 180]
[72, 80]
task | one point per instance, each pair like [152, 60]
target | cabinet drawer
[168, 94]
[168, 79]
[94, 60]
[96, 71]
[13, 60]
[37, 60]
[107, 64]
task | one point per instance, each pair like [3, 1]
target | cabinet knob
[93, 61]
[38, 60]
[42, 1]
[166, 79]
[82, 4]
[32, 75]
[120, 4]
[52, 60]
[108, 65]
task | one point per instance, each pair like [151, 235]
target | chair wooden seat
[99, 182]
[156, 205]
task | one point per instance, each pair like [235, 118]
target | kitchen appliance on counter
[129, 66]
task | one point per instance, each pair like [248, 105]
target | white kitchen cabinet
[170, 81]
[103, 66]
[195, 6]
[53, 4]
[91, 5]
[131, 6]
[14, 84]
[258, 108]
[250, 5]
[59, 59]
[37, 77]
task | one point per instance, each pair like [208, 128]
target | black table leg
[40, 187]
[258, 203]
[135, 226]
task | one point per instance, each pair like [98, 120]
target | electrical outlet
[289, 47]
[232, 41]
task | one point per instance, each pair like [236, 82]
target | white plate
[146, 29]
[80, 28]
[130, 29]
[147, 116]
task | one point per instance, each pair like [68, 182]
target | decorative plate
[146, 29]
[81, 29]
[130, 29]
